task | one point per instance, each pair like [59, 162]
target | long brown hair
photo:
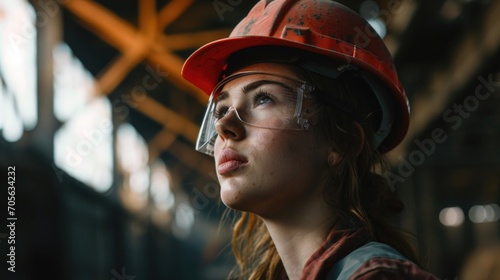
[354, 188]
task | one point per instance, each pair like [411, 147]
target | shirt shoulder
[376, 260]
[387, 268]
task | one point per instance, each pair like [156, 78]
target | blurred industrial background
[100, 128]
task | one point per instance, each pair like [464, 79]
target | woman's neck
[299, 234]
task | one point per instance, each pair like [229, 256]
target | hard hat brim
[203, 68]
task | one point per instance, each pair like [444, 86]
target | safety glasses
[258, 99]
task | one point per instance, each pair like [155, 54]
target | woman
[299, 117]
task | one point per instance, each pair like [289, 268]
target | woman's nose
[230, 126]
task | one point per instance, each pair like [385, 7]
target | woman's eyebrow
[254, 85]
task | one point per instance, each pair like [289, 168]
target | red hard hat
[319, 27]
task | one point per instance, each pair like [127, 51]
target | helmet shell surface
[320, 27]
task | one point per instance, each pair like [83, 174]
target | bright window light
[131, 148]
[484, 213]
[139, 180]
[160, 187]
[496, 212]
[451, 216]
[83, 145]
[73, 84]
[379, 26]
[13, 126]
[3, 100]
[477, 214]
[183, 220]
[133, 156]
[17, 68]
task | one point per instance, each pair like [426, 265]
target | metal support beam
[175, 122]
[123, 36]
[48, 36]
[446, 84]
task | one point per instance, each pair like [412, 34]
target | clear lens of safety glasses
[265, 100]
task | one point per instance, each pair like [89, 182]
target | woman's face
[261, 170]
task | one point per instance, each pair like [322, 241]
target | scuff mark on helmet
[301, 22]
[248, 27]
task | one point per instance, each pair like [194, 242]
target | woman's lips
[230, 161]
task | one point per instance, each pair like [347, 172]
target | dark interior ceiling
[428, 40]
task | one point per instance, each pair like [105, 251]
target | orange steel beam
[148, 19]
[115, 72]
[161, 142]
[171, 12]
[172, 64]
[107, 25]
[191, 40]
[126, 38]
[165, 140]
[170, 119]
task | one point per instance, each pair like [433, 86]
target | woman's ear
[334, 158]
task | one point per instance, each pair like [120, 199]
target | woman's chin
[232, 201]
[235, 201]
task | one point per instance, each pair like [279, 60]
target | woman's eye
[262, 98]
[220, 111]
